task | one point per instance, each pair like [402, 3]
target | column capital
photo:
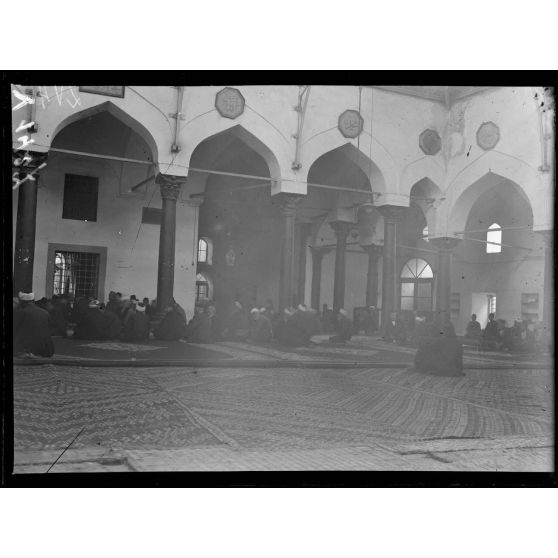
[444, 243]
[342, 228]
[170, 185]
[289, 202]
[392, 213]
[28, 163]
[374, 250]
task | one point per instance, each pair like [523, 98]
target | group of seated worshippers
[129, 322]
[439, 352]
[118, 319]
[294, 327]
[31, 329]
[523, 336]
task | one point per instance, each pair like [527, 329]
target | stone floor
[280, 417]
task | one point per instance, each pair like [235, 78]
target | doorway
[483, 304]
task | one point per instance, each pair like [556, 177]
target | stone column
[444, 245]
[24, 253]
[374, 252]
[305, 229]
[170, 188]
[391, 214]
[342, 230]
[289, 204]
[548, 294]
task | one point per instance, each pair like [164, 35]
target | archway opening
[239, 217]
[500, 257]
[88, 185]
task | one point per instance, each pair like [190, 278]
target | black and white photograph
[231, 277]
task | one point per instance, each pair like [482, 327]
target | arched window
[202, 251]
[205, 249]
[494, 239]
[417, 281]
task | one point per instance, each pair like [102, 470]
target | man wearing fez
[31, 328]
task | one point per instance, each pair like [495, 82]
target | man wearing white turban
[31, 328]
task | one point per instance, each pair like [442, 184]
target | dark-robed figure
[237, 325]
[260, 326]
[59, 311]
[98, 324]
[344, 328]
[172, 326]
[199, 328]
[136, 327]
[439, 352]
[31, 328]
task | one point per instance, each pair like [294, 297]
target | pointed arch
[262, 137]
[462, 207]
[211, 147]
[414, 172]
[119, 114]
[381, 159]
[487, 171]
[426, 194]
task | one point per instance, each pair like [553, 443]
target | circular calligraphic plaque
[350, 123]
[488, 135]
[229, 102]
[430, 142]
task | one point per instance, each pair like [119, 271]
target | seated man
[31, 328]
[491, 333]
[473, 330]
[395, 330]
[293, 331]
[199, 328]
[98, 324]
[344, 328]
[260, 328]
[137, 325]
[59, 315]
[236, 326]
[112, 323]
[172, 326]
[439, 352]
[327, 319]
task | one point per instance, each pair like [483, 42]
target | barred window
[76, 274]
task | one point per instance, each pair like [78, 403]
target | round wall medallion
[430, 142]
[350, 123]
[488, 135]
[229, 102]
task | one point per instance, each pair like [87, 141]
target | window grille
[76, 274]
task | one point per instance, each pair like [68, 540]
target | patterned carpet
[277, 410]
